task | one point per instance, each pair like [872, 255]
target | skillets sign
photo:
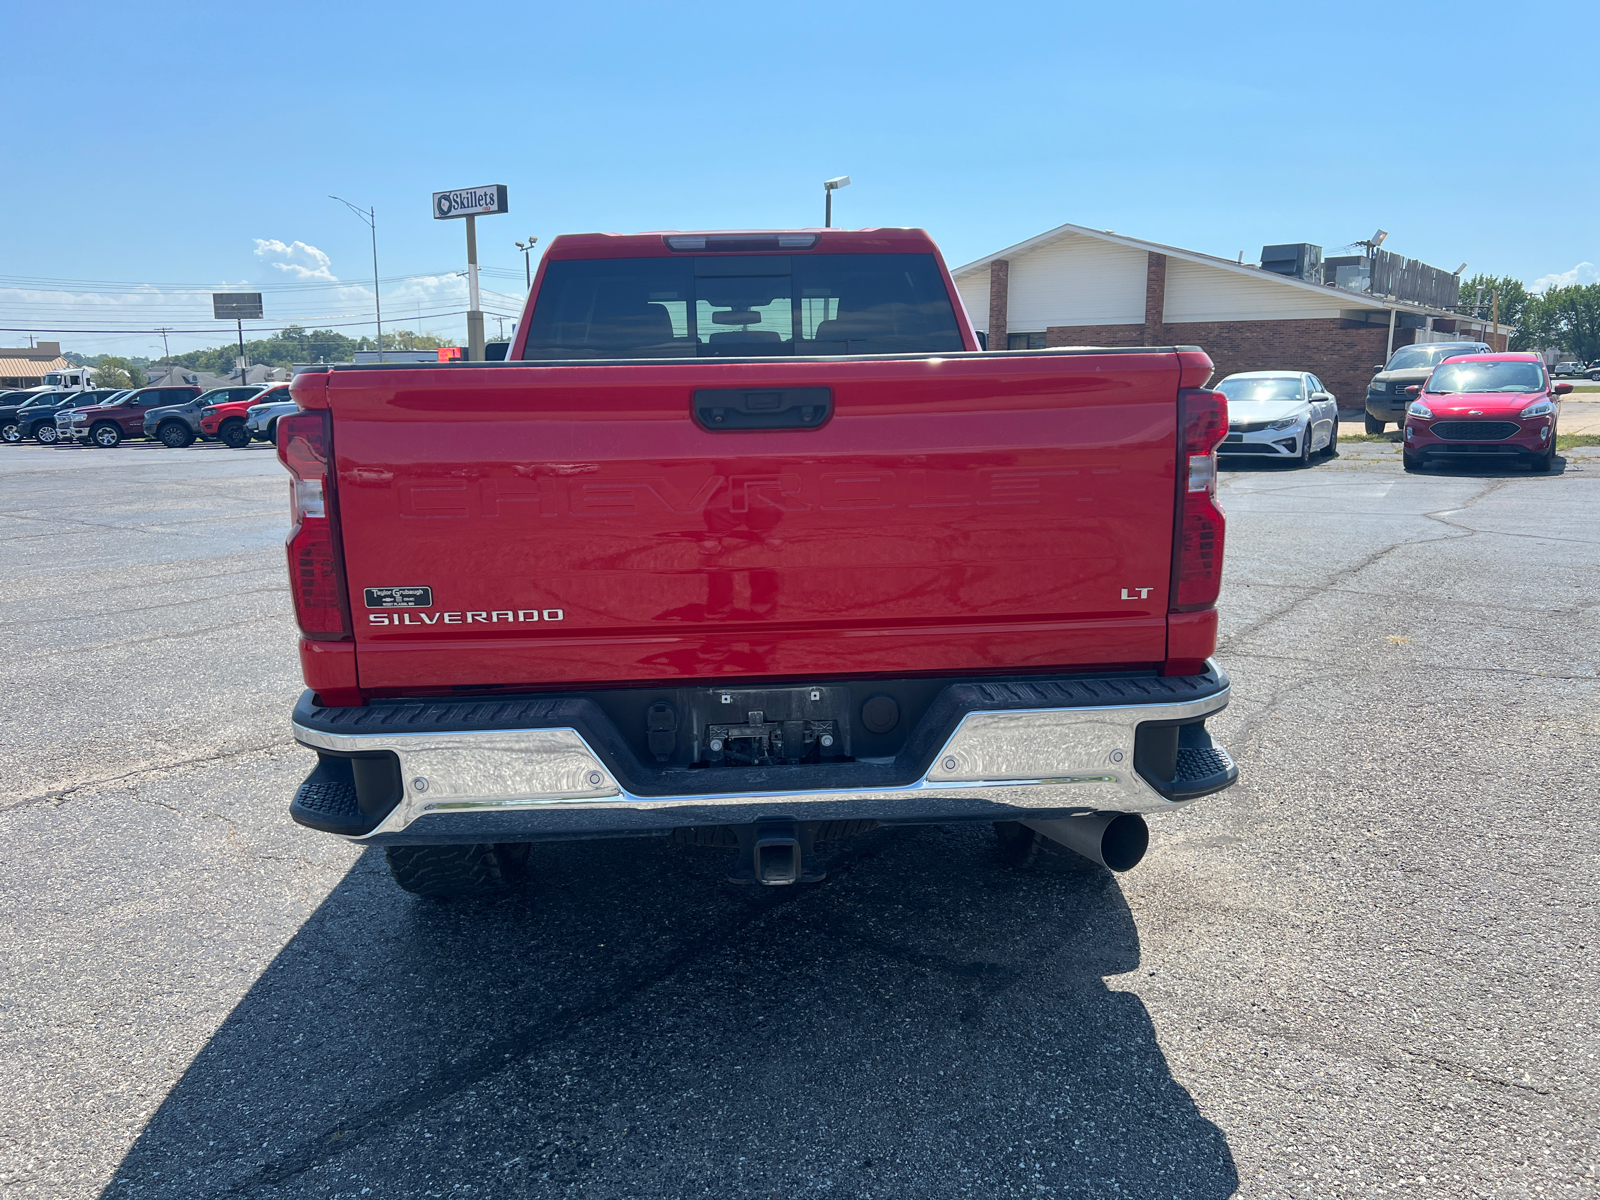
[470, 202]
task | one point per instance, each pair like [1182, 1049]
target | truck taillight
[1197, 548]
[316, 564]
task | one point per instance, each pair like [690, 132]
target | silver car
[1280, 414]
[261, 420]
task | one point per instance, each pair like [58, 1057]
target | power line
[458, 312]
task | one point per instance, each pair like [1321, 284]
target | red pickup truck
[749, 544]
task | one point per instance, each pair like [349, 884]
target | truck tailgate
[574, 524]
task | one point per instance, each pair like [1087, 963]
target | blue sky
[196, 145]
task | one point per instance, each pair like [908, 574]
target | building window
[1024, 341]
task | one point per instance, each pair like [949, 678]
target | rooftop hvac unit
[1299, 260]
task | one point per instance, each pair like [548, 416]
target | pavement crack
[57, 797]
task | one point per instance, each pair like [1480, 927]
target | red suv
[225, 422]
[1484, 405]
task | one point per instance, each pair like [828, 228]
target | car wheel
[175, 434]
[105, 435]
[459, 872]
[1411, 462]
[1374, 425]
[234, 434]
[272, 432]
[1595, 375]
[1542, 464]
[46, 433]
[1304, 460]
[10, 433]
[1332, 448]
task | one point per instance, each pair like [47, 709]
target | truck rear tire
[234, 434]
[459, 872]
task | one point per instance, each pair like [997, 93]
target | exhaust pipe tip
[1116, 841]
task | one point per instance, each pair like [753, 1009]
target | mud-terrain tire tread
[233, 434]
[459, 872]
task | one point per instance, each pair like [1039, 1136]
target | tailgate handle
[723, 409]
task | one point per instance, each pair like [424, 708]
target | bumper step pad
[326, 800]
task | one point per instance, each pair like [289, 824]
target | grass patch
[1370, 437]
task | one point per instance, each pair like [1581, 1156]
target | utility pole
[1495, 341]
[165, 353]
[244, 367]
[370, 216]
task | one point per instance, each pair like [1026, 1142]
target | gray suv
[178, 425]
[1386, 394]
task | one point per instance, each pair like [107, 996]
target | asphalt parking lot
[1368, 969]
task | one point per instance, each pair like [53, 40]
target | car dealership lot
[1369, 967]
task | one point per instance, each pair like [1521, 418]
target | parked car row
[175, 416]
[1573, 368]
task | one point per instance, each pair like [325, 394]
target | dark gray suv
[1386, 394]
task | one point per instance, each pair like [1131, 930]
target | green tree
[113, 372]
[1569, 318]
[1515, 302]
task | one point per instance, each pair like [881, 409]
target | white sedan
[1279, 414]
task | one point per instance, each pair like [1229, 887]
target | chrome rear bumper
[511, 784]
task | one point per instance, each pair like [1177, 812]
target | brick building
[1075, 286]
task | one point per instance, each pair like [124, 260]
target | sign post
[239, 307]
[472, 203]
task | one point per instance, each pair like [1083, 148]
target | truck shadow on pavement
[927, 1022]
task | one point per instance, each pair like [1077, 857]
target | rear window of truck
[748, 306]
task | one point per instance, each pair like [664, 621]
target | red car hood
[1482, 404]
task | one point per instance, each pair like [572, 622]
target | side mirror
[1561, 389]
[1377, 368]
[1414, 390]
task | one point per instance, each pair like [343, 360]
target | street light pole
[829, 186]
[370, 216]
[527, 264]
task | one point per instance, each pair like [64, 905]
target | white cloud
[293, 259]
[1584, 272]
